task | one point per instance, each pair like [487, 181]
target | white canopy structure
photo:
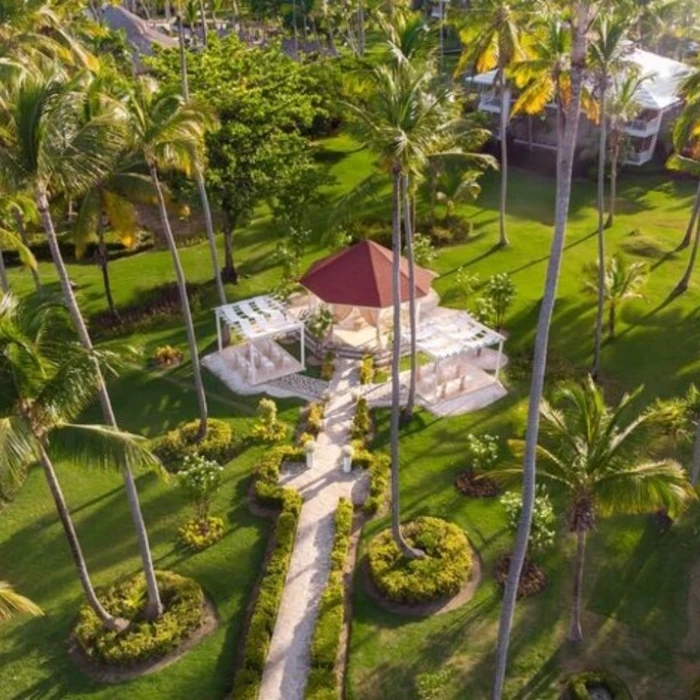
[261, 319]
[455, 333]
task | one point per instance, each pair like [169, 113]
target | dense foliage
[581, 686]
[182, 442]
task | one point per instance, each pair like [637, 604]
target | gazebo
[259, 320]
[357, 284]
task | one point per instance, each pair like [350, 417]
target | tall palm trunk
[229, 272]
[412, 312]
[693, 218]
[203, 17]
[361, 26]
[199, 179]
[103, 261]
[683, 284]
[19, 222]
[612, 317]
[295, 29]
[695, 469]
[154, 606]
[4, 282]
[600, 309]
[184, 302]
[575, 632]
[614, 157]
[405, 548]
[565, 159]
[109, 621]
[505, 111]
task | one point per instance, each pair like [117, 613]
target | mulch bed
[533, 579]
[119, 674]
[473, 484]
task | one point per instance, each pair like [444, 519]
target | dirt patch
[473, 484]
[436, 607]
[533, 579]
[106, 674]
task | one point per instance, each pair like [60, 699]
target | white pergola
[258, 318]
[445, 337]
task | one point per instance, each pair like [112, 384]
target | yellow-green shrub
[200, 533]
[174, 446]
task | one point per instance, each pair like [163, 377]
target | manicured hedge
[440, 573]
[578, 684]
[323, 683]
[268, 492]
[362, 421]
[143, 641]
[181, 442]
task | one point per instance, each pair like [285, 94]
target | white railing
[490, 102]
[643, 127]
[639, 157]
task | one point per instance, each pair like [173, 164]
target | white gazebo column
[218, 331]
[252, 362]
[498, 358]
[303, 347]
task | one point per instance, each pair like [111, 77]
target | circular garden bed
[476, 485]
[533, 579]
[143, 645]
[440, 574]
[595, 685]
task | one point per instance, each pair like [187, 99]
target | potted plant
[310, 449]
[347, 452]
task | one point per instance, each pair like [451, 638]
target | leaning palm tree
[170, 134]
[12, 603]
[47, 378]
[622, 282]
[690, 89]
[608, 52]
[50, 146]
[491, 38]
[580, 19]
[594, 455]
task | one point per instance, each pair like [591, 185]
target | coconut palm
[621, 108]
[690, 89]
[454, 185]
[608, 51]
[580, 19]
[622, 282]
[14, 210]
[492, 39]
[594, 455]
[51, 144]
[170, 134]
[12, 603]
[47, 378]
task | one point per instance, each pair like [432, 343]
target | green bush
[367, 369]
[362, 421]
[329, 625]
[182, 442]
[143, 641]
[328, 366]
[580, 684]
[314, 418]
[379, 468]
[262, 622]
[268, 492]
[440, 573]
[269, 427]
[200, 533]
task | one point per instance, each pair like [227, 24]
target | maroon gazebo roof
[361, 276]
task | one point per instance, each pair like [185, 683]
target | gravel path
[287, 668]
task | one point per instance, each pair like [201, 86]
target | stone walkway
[287, 668]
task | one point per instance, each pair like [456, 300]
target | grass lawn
[637, 580]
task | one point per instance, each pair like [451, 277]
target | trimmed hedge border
[323, 682]
[268, 492]
[576, 685]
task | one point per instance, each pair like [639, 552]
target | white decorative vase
[310, 448]
[347, 459]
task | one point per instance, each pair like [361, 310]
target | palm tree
[607, 56]
[622, 281]
[690, 89]
[16, 210]
[48, 146]
[622, 107]
[47, 378]
[455, 185]
[580, 19]
[593, 456]
[12, 603]
[199, 179]
[170, 133]
[492, 39]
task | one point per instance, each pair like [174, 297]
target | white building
[658, 99]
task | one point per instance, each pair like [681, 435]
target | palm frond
[12, 603]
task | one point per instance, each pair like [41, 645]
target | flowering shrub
[542, 530]
[500, 290]
[167, 356]
[201, 480]
[200, 533]
[269, 428]
[482, 451]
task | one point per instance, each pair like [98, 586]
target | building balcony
[639, 157]
[490, 102]
[643, 127]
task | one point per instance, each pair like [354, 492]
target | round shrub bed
[181, 442]
[200, 533]
[533, 579]
[441, 573]
[470, 483]
[142, 641]
[596, 685]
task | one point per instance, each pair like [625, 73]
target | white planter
[347, 464]
[310, 459]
